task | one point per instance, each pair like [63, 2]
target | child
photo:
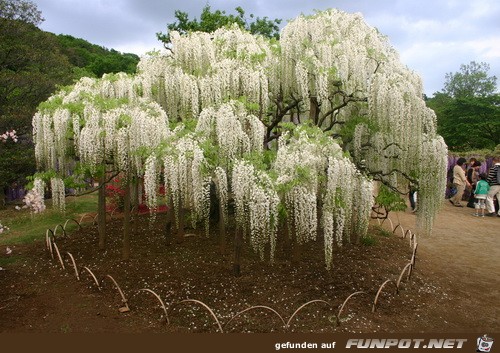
[482, 189]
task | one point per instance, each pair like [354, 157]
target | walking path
[463, 254]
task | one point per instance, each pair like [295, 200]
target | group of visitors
[484, 187]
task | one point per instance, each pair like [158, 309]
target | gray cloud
[432, 37]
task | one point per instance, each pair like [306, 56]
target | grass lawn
[25, 228]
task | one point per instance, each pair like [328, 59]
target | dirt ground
[454, 286]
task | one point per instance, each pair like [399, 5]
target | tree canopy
[211, 21]
[94, 60]
[292, 132]
[468, 109]
[31, 66]
[471, 81]
[33, 63]
[22, 10]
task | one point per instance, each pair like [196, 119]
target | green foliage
[211, 21]
[347, 129]
[368, 240]
[16, 161]
[468, 123]
[468, 109]
[25, 228]
[212, 154]
[21, 10]
[33, 65]
[383, 232]
[250, 107]
[471, 81]
[390, 200]
[261, 160]
[93, 60]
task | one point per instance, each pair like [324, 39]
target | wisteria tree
[294, 134]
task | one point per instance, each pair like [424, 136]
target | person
[473, 177]
[493, 180]
[412, 195]
[480, 193]
[459, 182]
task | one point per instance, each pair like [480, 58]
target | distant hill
[33, 63]
[95, 60]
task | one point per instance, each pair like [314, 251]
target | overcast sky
[433, 37]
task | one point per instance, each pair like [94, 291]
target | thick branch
[94, 189]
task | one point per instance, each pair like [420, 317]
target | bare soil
[454, 286]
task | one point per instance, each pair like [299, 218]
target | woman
[459, 182]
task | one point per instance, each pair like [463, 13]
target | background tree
[471, 81]
[210, 21]
[32, 64]
[94, 60]
[22, 10]
[468, 109]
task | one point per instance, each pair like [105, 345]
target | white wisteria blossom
[256, 202]
[185, 177]
[34, 199]
[302, 128]
[58, 193]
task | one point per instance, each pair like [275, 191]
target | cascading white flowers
[347, 204]
[151, 182]
[227, 93]
[185, 177]
[256, 202]
[222, 190]
[207, 69]
[108, 122]
[34, 199]
[434, 164]
[58, 193]
[299, 163]
[232, 129]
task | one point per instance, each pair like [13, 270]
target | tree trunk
[2, 199]
[137, 202]
[182, 221]
[126, 221]
[295, 251]
[287, 241]
[314, 111]
[222, 229]
[295, 254]
[170, 222]
[101, 211]
[238, 244]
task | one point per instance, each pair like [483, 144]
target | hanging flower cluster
[232, 129]
[58, 193]
[347, 204]
[151, 182]
[330, 69]
[256, 203]
[221, 187]
[185, 178]
[206, 70]
[432, 185]
[34, 198]
[329, 51]
[300, 161]
[107, 123]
